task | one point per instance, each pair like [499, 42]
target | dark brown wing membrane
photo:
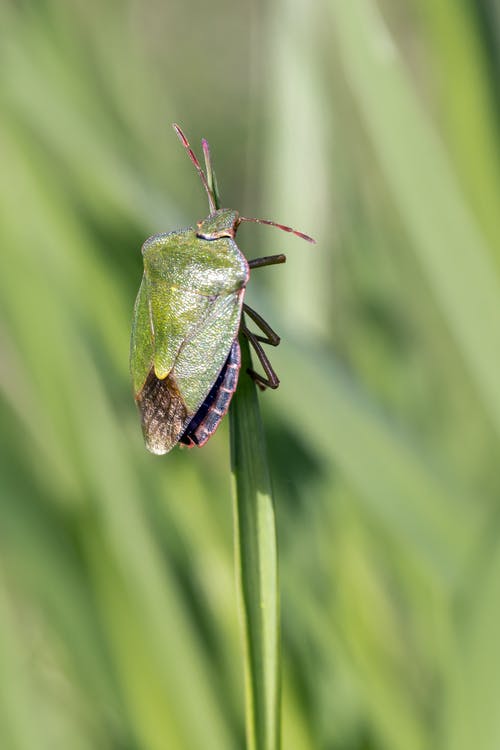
[163, 413]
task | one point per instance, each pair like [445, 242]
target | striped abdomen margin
[215, 406]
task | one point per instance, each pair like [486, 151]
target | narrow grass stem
[256, 564]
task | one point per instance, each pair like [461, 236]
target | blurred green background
[374, 127]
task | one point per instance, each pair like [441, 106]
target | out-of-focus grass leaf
[16, 688]
[295, 161]
[409, 495]
[473, 669]
[119, 624]
[461, 64]
[446, 238]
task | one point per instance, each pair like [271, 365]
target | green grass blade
[413, 500]
[17, 695]
[460, 63]
[447, 241]
[257, 564]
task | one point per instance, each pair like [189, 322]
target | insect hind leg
[272, 380]
[271, 337]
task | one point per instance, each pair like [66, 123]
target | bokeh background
[374, 127]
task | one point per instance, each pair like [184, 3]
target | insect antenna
[192, 156]
[280, 226]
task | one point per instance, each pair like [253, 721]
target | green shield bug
[184, 352]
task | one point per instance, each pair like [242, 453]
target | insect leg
[271, 336]
[268, 260]
[272, 380]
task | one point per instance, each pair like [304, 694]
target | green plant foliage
[373, 125]
[257, 564]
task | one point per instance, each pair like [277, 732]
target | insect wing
[141, 343]
[203, 355]
[190, 303]
[167, 405]
[174, 305]
[163, 413]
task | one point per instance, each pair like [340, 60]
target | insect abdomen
[209, 415]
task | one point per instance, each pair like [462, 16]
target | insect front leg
[267, 260]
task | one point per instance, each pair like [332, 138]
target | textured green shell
[186, 317]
